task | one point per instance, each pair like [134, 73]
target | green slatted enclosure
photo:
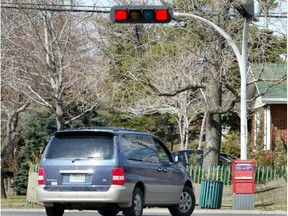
[211, 192]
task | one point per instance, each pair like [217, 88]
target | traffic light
[141, 14]
[250, 10]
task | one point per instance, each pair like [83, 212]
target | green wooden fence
[266, 174]
[224, 174]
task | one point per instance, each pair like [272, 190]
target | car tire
[186, 205]
[55, 210]
[137, 204]
[110, 212]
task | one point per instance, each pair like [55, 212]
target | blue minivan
[112, 170]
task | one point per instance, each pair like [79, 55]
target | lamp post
[249, 11]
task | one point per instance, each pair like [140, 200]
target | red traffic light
[161, 14]
[141, 14]
[121, 15]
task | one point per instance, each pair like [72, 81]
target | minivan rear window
[81, 146]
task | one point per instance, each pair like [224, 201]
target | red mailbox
[243, 177]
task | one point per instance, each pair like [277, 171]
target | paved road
[147, 212]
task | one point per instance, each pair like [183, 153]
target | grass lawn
[14, 201]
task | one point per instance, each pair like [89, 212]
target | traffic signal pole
[243, 99]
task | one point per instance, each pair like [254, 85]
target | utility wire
[57, 8]
[73, 8]
[58, 5]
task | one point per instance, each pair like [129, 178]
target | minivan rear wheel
[55, 210]
[186, 205]
[137, 204]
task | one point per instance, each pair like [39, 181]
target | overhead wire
[75, 8]
[55, 7]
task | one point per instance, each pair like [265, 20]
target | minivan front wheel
[137, 204]
[55, 210]
[186, 204]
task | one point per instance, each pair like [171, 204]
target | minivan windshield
[77, 147]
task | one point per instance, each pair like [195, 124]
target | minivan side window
[140, 148]
[130, 148]
[150, 153]
[163, 156]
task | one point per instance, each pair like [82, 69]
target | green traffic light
[148, 14]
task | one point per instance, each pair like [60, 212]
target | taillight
[41, 180]
[118, 176]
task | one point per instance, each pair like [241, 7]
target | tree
[12, 105]
[47, 63]
[10, 140]
[53, 62]
[184, 107]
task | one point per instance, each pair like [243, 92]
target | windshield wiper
[76, 159]
[134, 159]
[85, 158]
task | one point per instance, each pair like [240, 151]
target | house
[269, 110]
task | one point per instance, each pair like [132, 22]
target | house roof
[268, 81]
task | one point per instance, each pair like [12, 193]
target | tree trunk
[213, 140]
[183, 125]
[213, 126]
[3, 189]
[59, 117]
[186, 132]
[181, 131]
[214, 93]
[202, 131]
[213, 122]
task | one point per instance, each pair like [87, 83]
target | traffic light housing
[250, 10]
[141, 14]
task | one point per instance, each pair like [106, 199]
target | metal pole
[243, 101]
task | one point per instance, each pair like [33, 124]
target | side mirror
[178, 159]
